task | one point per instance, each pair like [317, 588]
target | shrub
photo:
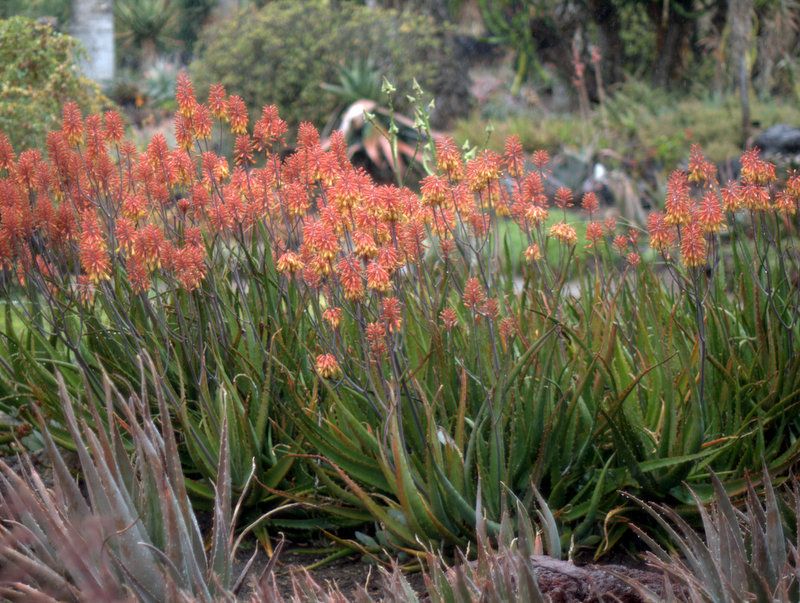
[127, 532]
[643, 125]
[284, 52]
[369, 346]
[38, 74]
[57, 9]
[742, 554]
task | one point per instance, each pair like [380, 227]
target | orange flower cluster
[693, 222]
[95, 208]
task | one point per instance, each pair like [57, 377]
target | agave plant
[147, 26]
[741, 555]
[133, 534]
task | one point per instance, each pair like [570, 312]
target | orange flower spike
[563, 197]
[514, 156]
[26, 168]
[289, 263]
[533, 189]
[72, 123]
[786, 203]
[491, 308]
[243, 150]
[388, 258]
[793, 185]
[237, 115]
[540, 159]
[346, 194]
[182, 168]
[217, 102]
[392, 314]
[189, 266]
[327, 366]
[483, 170]
[307, 135]
[710, 215]
[662, 235]
[633, 259]
[113, 127]
[732, 197]
[378, 277]
[474, 295]
[350, 278]
[93, 251]
[295, 199]
[594, 233]
[693, 246]
[329, 169]
[533, 254]
[125, 233]
[270, 128]
[183, 132]
[333, 316]
[327, 244]
[620, 243]
[448, 159]
[157, 155]
[536, 214]
[184, 95]
[590, 203]
[507, 330]
[434, 190]
[6, 153]
[364, 245]
[376, 337]
[193, 236]
[564, 233]
[755, 170]
[202, 123]
[700, 168]
[138, 274]
[150, 245]
[221, 170]
[678, 204]
[755, 197]
[394, 203]
[449, 318]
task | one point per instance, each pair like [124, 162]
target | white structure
[93, 25]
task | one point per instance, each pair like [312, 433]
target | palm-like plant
[147, 27]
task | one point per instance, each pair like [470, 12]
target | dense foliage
[370, 351]
[282, 54]
[38, 74]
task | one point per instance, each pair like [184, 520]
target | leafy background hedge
[272, 55]
[38, 74]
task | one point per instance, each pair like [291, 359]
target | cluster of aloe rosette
[374, 351]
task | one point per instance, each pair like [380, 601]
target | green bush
[641, 123]
[283, 53]
[38, 74]
[57, 9]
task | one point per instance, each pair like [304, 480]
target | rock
[781, 139]
[564, 582]
[616, 188]
[570, 170]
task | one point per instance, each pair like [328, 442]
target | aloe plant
[742, 553]
[378, 352]
[127, 529]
